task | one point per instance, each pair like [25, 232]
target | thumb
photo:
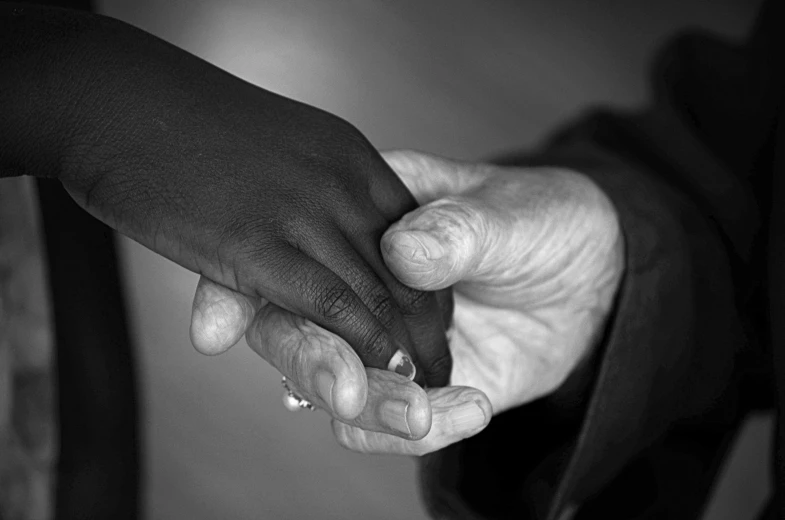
[430, 177]
[220, 317]
[437, 245]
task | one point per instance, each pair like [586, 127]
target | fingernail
[468, 416]
[324, 386]
[393, 415]
[402, 364]
[418, 246]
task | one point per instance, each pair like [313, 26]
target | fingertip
[210, 338]
[349, 396]
[419, 415]
[218, 319]
[472, 415]
[439, 371]
[396, 406]
[401, 363]
[415, 258]
[459, 413]
[469, 394]
[482, 401]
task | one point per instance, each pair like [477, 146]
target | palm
[512, 353]
[484, 342]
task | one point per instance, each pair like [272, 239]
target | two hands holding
[534, 256]
[336, 263]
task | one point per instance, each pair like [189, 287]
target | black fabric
[696, 179]
[98, 473]
[81, 5]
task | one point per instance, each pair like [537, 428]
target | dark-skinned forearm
[74, 85]
[53, 62]
[257, 192]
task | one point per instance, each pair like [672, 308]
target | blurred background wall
[463, 78]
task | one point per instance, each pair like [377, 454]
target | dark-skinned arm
[265, 195]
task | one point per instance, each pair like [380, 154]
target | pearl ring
[294, 402]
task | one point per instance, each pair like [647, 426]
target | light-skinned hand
[534, 255]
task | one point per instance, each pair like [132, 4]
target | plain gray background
[461, 78]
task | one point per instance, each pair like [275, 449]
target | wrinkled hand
[322, 368]
[535, 256]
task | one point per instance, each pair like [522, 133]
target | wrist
[46, 57]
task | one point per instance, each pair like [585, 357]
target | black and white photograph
[392, 260]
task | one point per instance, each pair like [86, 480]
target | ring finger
[325, 370]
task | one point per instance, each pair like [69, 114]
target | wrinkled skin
[535, 256]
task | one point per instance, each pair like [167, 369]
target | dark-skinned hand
[264, 195]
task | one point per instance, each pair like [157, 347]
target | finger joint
[335, 303]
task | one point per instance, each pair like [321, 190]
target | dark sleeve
[681, 359]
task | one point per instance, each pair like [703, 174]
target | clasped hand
[534, 255]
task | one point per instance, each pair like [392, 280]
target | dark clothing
[98, 471]
[697, 340]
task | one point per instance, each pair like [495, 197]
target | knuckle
[384, 309]
[296, 223]
[335, 302]
[353, 141]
